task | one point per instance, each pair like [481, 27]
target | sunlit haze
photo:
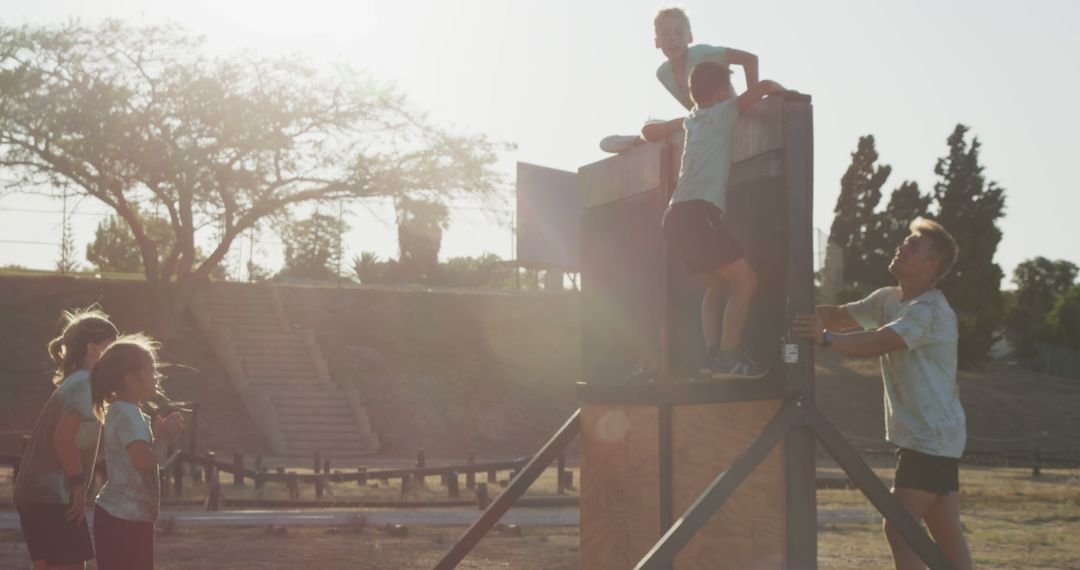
[556, 76]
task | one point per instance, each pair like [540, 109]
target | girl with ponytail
[50, 491]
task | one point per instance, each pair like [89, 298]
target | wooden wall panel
[748, 532]
[620, 501]
[633, 172]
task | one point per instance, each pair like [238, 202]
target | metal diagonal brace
[512, 493]
[664, 551]
[874, 490]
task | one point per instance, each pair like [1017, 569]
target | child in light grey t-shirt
[127, 506]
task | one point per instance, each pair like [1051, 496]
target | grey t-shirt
[706, 158]
[129, 494]
[922, 397]
[41, 477]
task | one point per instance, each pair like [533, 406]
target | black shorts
[931, 473]
[123, 544]
[696, 235]
[50, 537]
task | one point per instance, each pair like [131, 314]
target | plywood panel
[628, 174]
[748, 532]
[760, 130]
[620, 501]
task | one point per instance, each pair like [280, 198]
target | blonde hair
[124, 356]
[941, 243]
[676, 12]
[80, 327]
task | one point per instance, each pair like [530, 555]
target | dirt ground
[1012, 520]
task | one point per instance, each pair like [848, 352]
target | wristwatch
[826, 338]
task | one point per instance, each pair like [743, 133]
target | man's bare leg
[943, 522]
[917, 503]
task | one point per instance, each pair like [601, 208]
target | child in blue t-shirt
[127, 506]
[693, 225]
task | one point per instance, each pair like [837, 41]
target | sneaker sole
[734, 376]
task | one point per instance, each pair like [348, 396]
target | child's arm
[758, 92]
[655, 132]
[749, 63]
[68, 451]
[144, 455]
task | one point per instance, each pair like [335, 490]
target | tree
[366, 267]
[1040, 283]
[115, 249]
[487, 271]
[1064, 319]
[888, 230]
[860, 193]
[144, 116]
[312, 247]
[969, 208]
[420, 226]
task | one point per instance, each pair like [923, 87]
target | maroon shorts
[696, 235]
[123, 544]
[50, 537]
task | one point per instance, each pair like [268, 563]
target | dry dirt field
[1013, 520]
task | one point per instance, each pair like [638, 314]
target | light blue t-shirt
[694, 55]
[922, 397]
[706, 158]
[129, 494]
[41, 477]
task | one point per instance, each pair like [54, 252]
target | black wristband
[826, 338]
[75, 480]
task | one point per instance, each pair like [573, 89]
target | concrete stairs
[281, 375]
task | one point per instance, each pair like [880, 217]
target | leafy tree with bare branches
[144, 118]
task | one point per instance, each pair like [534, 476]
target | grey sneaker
[741, 367]
[620, 143]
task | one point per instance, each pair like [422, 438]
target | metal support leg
[874, 490]
[511, 494]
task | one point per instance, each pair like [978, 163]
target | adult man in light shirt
[912, 328]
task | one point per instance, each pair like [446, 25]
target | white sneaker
[620, 143]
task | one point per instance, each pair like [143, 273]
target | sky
[556, 76]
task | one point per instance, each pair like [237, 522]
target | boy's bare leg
[917, 503]
[943, 522]
[742, 281]
[715, 289]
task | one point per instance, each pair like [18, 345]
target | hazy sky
[555, 76]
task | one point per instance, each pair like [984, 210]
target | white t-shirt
[129, 494]
[922, 398]
[694, 55]
[706, 158]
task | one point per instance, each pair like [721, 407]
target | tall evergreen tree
[969, 207]
[860, 193]
[889, 229]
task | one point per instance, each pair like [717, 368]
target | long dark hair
[125, 356]
[80, 327]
